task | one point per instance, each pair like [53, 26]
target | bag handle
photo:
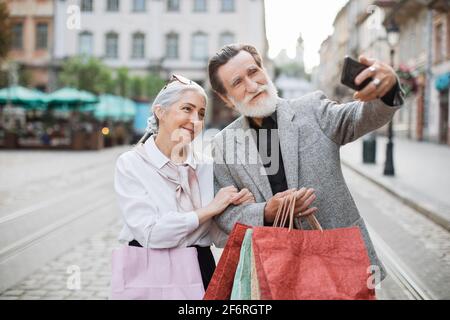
[286, 210]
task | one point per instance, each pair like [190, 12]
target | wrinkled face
[248, 87]
[183, 120]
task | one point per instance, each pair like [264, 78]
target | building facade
[422, 55]
[169, 36]
[424, 51]
[439, 121]
[32, 39]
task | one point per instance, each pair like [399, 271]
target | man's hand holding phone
[381, 78]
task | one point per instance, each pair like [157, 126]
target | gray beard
[263, 108]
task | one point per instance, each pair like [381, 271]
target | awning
[443, 81]
[71, 96]
[18, 95]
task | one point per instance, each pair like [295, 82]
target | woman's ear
[158, 111]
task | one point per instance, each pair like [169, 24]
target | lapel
[250, 159]
[288, 133]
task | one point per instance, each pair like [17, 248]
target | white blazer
[148, 201]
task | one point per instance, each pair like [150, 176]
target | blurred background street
[77, 79]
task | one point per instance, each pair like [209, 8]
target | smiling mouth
[190, 130]
[255, 97]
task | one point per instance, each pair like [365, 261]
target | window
[112, 6]
[439, 42]
[17, 36]
[448, 35]
[227, 5]
[112, 45]
[41, 36]
[85, 43]
[139, 5]
[200, 6]
[226, 38]
[172, 46]
[87, 5]
[199, 46]
[138, 50]
[173, 5]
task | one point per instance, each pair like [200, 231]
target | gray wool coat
[311, 131]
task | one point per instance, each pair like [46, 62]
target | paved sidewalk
[422, 177]
[57, 279]
[92, 257]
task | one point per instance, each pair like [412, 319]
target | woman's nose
[195, 117]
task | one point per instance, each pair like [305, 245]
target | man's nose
[251, 86]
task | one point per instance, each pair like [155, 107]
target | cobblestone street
[92, 256]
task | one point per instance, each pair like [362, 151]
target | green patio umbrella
[128, 110]
[108, 107]
[71, 97]
[115, 108]
[18, 95]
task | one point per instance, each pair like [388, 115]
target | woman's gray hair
[167, 97]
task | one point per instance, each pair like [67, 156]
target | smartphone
[350, 71]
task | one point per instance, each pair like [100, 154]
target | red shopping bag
[310, 264]
[221, 283]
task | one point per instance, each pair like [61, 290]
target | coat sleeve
[249, 214]
[150, 227]
[344, 123]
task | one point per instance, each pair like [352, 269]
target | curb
[422, 209]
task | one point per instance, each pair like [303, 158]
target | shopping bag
[221, 283]
[310, 264]
[156, 274]
[242, 288]
[255, 292]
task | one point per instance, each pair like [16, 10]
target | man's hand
[270, 211]
[384, 79]
[304, 198]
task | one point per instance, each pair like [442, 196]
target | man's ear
[226, 100]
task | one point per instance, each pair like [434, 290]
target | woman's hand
[243, 197]
[225, 197]
[221, 201]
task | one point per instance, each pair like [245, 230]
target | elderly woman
[165, 191]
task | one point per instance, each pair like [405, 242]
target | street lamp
[393, 35]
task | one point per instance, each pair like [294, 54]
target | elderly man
[295, 142]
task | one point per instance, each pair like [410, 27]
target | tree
[5, 30]
[137, 87]
[153, 84]
[123, 82]
[91, 74]
[293, 69]
[25, 76]
[86, 73]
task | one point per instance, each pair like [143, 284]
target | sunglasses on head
[176, 77]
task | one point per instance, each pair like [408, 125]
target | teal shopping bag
[242, 284]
